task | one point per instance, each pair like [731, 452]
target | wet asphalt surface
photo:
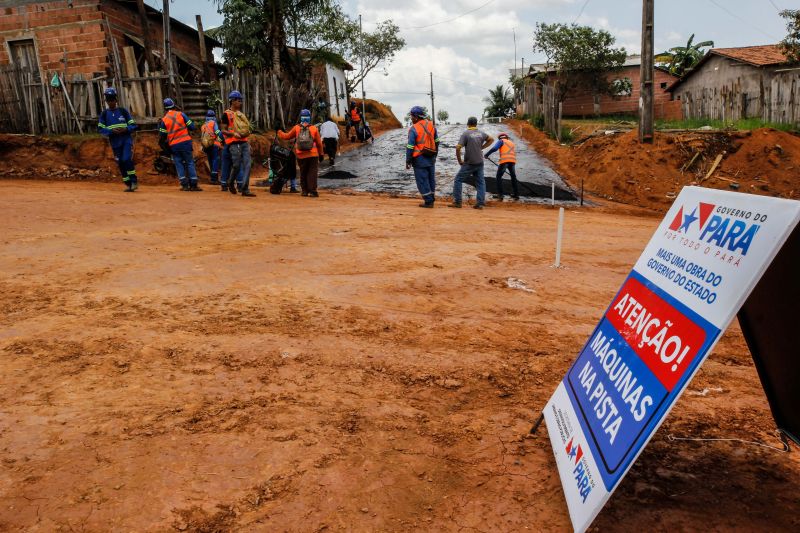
[380, 167]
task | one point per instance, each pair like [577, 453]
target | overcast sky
[473, 52]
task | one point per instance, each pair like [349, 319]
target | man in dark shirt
[473, 141]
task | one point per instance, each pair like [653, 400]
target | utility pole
[363, 94]
[168, 48]
[514, 32]
[433, 108]
[647, 73]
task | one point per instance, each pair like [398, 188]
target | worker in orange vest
[309, 152]
[236, 160]
[354, 119]
[211, 139]
[508, 161]
[174, 137]
[421, 151]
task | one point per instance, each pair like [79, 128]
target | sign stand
[715, 254]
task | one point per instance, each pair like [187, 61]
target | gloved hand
[408, 164]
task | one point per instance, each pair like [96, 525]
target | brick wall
[126, 20]
[582, 104]
[57, 28]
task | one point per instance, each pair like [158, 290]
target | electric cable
[747, 22]
[451, 19]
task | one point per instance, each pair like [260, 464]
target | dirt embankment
[89, 157]
[618, 168]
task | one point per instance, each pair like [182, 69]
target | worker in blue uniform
[117, 124]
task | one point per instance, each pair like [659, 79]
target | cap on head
[417, 111]
[472, 121]
[211, 114]
[503, 135]
[168, 103]
[235, 95]
[305, 116]
[110, 93]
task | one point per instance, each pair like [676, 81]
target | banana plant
[680, 59]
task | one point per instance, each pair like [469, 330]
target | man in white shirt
[329, 132]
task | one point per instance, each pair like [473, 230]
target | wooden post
[647, 74]
[148, 48]
[203, 56]
[168, 49]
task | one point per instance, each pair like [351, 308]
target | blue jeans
[124, 156]
[184, 166]
[226, 164]
[465, 172]
[426, 182]
[239, 161]
[214, 155]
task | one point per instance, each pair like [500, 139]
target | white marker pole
[560, 235]
[553, 192]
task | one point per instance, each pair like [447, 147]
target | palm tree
[680, 59]
[501, 104]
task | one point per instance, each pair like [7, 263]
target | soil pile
[379, 116]
[618, 168]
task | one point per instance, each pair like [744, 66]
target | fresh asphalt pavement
[380, 166]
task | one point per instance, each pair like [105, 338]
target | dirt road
[201, 362]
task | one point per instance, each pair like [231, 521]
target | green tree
[442, 116]
[581, 56]
[791, 44]
[375, 48]
[499, 102]
[679, 59]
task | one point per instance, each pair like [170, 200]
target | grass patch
[743, 124]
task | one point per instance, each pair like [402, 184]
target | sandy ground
[201, 362]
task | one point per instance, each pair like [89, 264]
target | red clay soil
[618, 168]
[206, 363]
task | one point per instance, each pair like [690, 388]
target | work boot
[128, 189]
[248, 193]
[456, 205]
[184, 187]
[293, 190]
[515, 196]
[427, 205]
[313, 194]
[498, 197]
[223, 187]
[134, 185]
[195, 188]
[232, 188]
[304, 193]
[333, 161]
[477, 206]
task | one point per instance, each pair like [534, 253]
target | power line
[775, 5]
[581, 12]
[451, 19]
[464, 82]
[734, 15]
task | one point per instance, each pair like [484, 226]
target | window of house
[663, 85]
[622, 87]
[23, 55]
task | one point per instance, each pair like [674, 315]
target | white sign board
[694, 275]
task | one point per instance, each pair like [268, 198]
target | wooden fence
[551, 111]
[267, 101]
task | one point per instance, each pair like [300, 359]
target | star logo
[688, 220]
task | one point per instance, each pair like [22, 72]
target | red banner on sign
[663, 337]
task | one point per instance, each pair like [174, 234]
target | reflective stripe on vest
[354, 116]
[177, 132]
[507, 152]
[209, 128]
[425, 138]
[229, 134]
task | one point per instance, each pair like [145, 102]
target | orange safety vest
[208, 127]
[177, 132]
[228, 134]
[294, 132]
[507, 153]
[354, 116]
[425, 137]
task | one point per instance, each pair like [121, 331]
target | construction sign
[695, 274]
